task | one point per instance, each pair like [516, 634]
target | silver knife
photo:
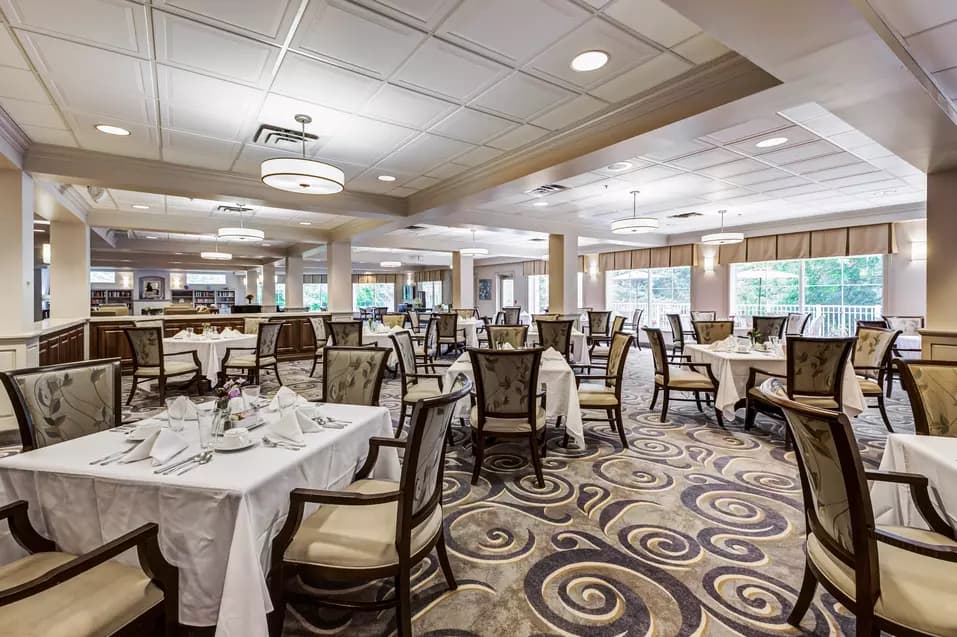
[168, 468]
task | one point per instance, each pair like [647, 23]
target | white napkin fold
[728, 344]
[286, 398]
[395, 328]
[180, 335]
[507, 346]
[230, 333]
[161, 446]
[552, 354]
[182, 409]
[293, 422]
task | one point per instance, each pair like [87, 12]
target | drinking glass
[176, 416]
[205, 417]
[251, 397]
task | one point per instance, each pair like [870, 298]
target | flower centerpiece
[249, 298]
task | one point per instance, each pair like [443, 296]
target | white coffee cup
[236, 437]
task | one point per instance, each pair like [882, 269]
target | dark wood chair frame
[593, 318]
[252, 373]
[678, 333]
[281, 572]
[405, 317]
[804, 322]
[332, 332]
[493, 329]
[713, 315]
[754, 329]
[697, 333]
[411, 377]
[428, 359]
[379, 375]
[512, 314]
[457, 345]
[635, 326]
[25, 421]
[145, 539]
[617, 325]
[891, 370]
[612, 414]
[880, 370]
[657, 339]
[921, 425]
[161, 379]
[320, 346]
[564, 347]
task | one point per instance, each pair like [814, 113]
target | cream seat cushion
[869, 386]
[173, 368]
[681, 378]
[916, 591]
[419, 350]
[97, 602]
[596, 395]
[249, 360]
[599, 352]
[425, 388]
[507, 425]
[823, 402]
[359, 536]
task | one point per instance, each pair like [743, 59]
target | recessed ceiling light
[772, 142]
[140, 206]
[112, 130]
[151, 236]
[540, 204]
[618, 166]
[386, 178]
[589, 60]
[305, 223]
[265, 245]
[41, 222]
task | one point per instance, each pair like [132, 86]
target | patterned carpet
[693, 531]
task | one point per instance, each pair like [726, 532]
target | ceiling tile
[821, 163]
[733, 168]
[421, 182]
[10, 54]
[478, 155]
[912, 16]
[500, 27]
[424, 14]
[780, 184]
[20, 84]
[700, 49]
[449, 70]
[444, 171]
[202, 48]
[32, 113]
[361, 140]
[205, 105]
[800, 153]
[852, 139]
[624, 51]
[570, 112]
[409, 108]
[279, 110]
[946, 80]
[142, 142]
[795, 136]
[517, 137]
[251, 157]
[355, 36]
[883, 185]
[706, 158]
[666, 149]
[871, 151]
[424, 152]
[643, 77]
[197, 150]
[856, 180]
[746, 130]
[321, 83]
[522, 96]
[802, 189]
[827, 125]
[472, 126]
[757, 177]
[933, 49]
[57, 137]
[653, 19]
[650, 174]
[270, 20]
[841, 171]
[805, 112]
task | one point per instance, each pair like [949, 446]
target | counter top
[40, 328]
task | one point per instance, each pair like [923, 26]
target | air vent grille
[233, 210]
[279, 137]
[548, 189]
[536, 239]
[414, 228]
[685, 215]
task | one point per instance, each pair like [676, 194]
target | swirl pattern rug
[696, 530]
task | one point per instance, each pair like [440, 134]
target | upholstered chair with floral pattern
[353, 375]
[703, 315]
[150, 363]
[797, 322]
[677, 336]
[62, 402]
[252, 360]
[707, 332]
[871, 359]
[544, 317]
[635, 326]
[931, 387]
[514, 336]
[599, 386]
[448, 331]
[556, 335]
[764, 327]
[427, 345]
[679, 375]
[320, 337]
[416, 384]
[598, 323]
[601, 345]
[466, 313]
[395, 319]
[513, 315]
[345, 333]
[908, 326]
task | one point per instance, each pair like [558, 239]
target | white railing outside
[655, 316]
[832, 320]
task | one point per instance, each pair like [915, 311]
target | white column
[562, 273]
[16, 250]
[69, 269]
[269, 284]
[463, 283]
[252, 284]
[294, 281]
[339, 261]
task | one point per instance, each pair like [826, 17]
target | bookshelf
[225, 297]
[204, 297]
[182, 296]
[111, 297]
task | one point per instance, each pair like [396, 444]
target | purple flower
[234, 392]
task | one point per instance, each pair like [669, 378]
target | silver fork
[207, 457]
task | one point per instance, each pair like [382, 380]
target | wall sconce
[918, 251]
[126, 279]
[592, 265]
[175, 281]
[45, 253]
[709, 264]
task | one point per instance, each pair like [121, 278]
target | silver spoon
[207, 457]
[269, 442]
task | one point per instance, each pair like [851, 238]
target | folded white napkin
[552, 354]
[396, 328]
[293, 422]
[286, 398]
[507, 346]
[161, 446]
[182, 409]
[237, 405]
[728, 344]
[181, 334]
[230, 333]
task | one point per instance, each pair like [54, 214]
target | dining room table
[210, 348]
[561, 391]
[579, 353]
[216, 521]
[732, 368]
[932, 456]
[470, 327]
[382, 337]
[908, 346]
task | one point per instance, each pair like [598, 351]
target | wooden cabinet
[63, 346]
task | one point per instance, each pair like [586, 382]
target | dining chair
[707, 332]
[264, 355]
[251, 325]
[62, 402]
[605, 394]
[764, 327]
[319, 337]
[150, 364]
[414, 321]
[394, 319]
[796, 324]
[908, 326]
[679, 375]
[703, 315]
[353, 375]
[871, 360]
[544, 317]
[514, 336]
[556, 335]
[601, 345]
[506, 404]
[930, 386]
[677, 336]
[598, 323]
[814, 376]
[500, 318]
[373, 528]
[513, 315]
[415, 384]
[466, 313]
[449, 333]
[345, 333]
[52, 592]
[897, 579]
[636, 327]
[427, 345]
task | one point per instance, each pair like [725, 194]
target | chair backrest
[677, 330]
[878, 323]
[251, 325]
[797, 321]
[151, 323]
[500, 335]
[557, 335]
[659, 354]
[636, 319]
[598, 322]
[815, 366]
[513, 315]
[146, 343]
[448, 324]
[617, 354]
[414, 320]
[906, 324]
[405, 348]
[466, 312]
[423, 460]
[394, 319]
[268, 339]
[703, 315]
[500, 318]
[544, 317]
[764, 327]
[617, 324]
[353, 375]
[178, 308]
[116, 309]
[836, 497]
[62, 402]
[506, 382]
[712, 331]
[318, 324]
[431, 343]
[345, 333]
[930, 387]
[872, 351]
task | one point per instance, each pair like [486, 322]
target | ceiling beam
[193, 248]
[200, 224]
[114, 259]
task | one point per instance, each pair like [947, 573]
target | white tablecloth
[216, 522]
[470, 326]
[382, 339]
[907, 342]
[561, 397]
[579, 346]
[209, 350]
[931, 456]
[732, 369]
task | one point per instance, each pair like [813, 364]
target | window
[656, 291]
[102, 276]
[280, 294]
[315, 296]
[205, 278]
[537, 293]
[373, 295]
[581, 290]
[432, 291]
[837, 292]
[508, 292]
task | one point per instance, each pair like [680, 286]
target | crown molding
[13, 141]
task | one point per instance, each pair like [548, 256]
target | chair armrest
[187, 351]
[753, 376]
[936, 551]
[22, 530]
[374, 443]
[920, 495]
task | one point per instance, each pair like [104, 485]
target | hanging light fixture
[390, 264]
[308, 176]
[474, 251]
[242, 233]
[634, 224]
[216, 255]
[722, 238]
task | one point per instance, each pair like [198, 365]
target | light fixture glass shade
[45, 253]
[297, 174]
[473, 252]
[216, 256]
[240, 234]
[722, 238]
[634, 225]
[390, 264]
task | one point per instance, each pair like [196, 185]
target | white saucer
[240, 447]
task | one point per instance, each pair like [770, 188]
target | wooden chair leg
[275, 369]
[749, 415]
[883, 410]
[277, 593]
[132, 391]
[621, 427]
[398, 431]
[162, 390]
[803, 602]
[315, 362]
[536, 461]
[479, 452]
[697, 400]
[664, 405]
[654, 399]
[403, 599]
[444, 562]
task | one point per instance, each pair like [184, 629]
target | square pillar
[269, 284]
[69, 269]
[339, 260]
[562, 274]
[252, 284]
[294, 281]
[463, 284]
[16, 250]
[939, 340]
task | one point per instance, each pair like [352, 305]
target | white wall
[709, 290]
[517, 270]
[905, 281]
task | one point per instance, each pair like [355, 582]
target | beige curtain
[875, 239]
[315, 278]
[796, 245]
[535, 267]
[682, 255]
[582, 263]
[428, 275]
[620, 260]
[641, 259]
[734, 253]
[762, 248]
[829, 243]
[373, 278]
[660, 257]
